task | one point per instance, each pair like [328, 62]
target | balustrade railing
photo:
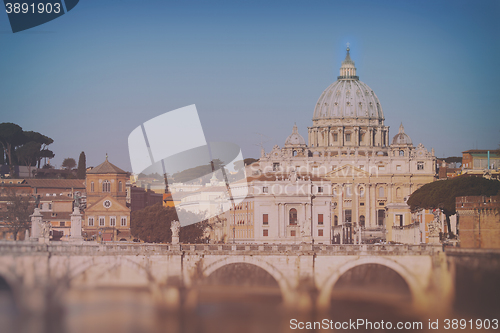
[9, 247]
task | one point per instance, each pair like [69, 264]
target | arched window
[335, 220]
[398, 192]
[293, 216]
[120, 187]
[91, 186]
[381, 192]
[106, 186]
[294, 153]
[362, 220]
[401, 153]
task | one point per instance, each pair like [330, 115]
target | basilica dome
[348, 97]
[401, 138]
[295, 139]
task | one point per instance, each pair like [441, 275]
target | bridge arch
[283, 283]
[415, 288]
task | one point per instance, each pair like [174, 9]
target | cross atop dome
[348, 69]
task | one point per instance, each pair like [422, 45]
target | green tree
[442, 193]
[11, 136]
[17, 216]
[82, 166]
[44, 142]
[68, 163]
[152, 225]
[28, 154]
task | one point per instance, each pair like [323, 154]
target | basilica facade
[349, 183]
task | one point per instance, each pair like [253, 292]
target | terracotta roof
[106, 167]
[56, 183]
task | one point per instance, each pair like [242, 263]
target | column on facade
[355, 200]
[341, 204]
[367, 205]
[386, 137]
[309, 136]
[283, 220]
[356, 136]
[390, 187]
[341, 136]
[279, 220]
[370, 139]
[374, 205]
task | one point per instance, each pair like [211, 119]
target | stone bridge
[305, 276]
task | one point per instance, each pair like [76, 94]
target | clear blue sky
[90, 77]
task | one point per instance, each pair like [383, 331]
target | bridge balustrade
[9, 247]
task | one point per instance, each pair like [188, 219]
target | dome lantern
[348, 69]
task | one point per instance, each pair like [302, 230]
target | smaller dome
[401, 138]
[295, 139]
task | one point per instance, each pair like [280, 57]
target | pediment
[99, 206]
[346, 171]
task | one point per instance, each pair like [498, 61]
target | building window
[265, 232]
[398, 192]
[381, 167]
[335, 137]
[292, 233]
[265, 189]
[276, 166]
[320, 232]
[50, 206]
[293, 216]
[362, 220]
[62, 224]
[361, 203]
[361, 137]
[420, 165]
[320, 189]
[91, 186]
[265, 219]
[112, 221]
[348, 215]
[124, 221]
[91, 221]
[101, 221]
[335, 220]
[401, 153]
[399, 220]
[106, 186]
[361, 192]
[381, 217]
[381, 192]
[398, 167]
[348, 137]
[120, 187]
[320, 219]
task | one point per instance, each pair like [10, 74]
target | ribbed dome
[348, 97]
[295, 139]
[401, 138]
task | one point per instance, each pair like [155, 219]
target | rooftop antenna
[262, 141]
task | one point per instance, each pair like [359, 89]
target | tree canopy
[22, 147]
[17, 215]
[442, 193]
[68, 163]
[152, 225]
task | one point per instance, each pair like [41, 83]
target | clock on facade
[106, 203]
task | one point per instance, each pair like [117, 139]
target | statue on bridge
[175, 227]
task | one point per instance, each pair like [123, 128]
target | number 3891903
[40, 8]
